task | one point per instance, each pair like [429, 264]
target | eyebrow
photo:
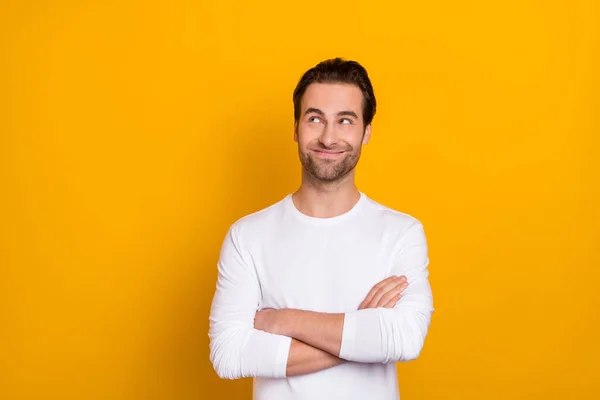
[347, 113]
[321, 113]
[314, 110]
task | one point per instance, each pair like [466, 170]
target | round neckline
[327, 220]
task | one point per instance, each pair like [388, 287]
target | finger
[382, 290]
[379, 289]
[391, 294]
[392, 303]
[374, 290]
[385, 281]
[376, 300]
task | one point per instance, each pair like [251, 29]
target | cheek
[353, 135]
[308, 133]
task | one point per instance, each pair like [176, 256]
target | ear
[296, 131]
[367, 134]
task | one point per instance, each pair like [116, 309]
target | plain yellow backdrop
[133, 133]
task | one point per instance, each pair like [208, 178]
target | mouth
[328, 153]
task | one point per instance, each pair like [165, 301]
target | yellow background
[134, 132]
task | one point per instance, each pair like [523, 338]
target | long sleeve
[237, 350]
[397, 334]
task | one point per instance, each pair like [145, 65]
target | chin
[330, 176]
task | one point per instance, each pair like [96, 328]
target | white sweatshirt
[281, 258]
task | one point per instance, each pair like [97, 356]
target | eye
[346, 121]
[314, 119]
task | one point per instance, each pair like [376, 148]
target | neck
[326, 199]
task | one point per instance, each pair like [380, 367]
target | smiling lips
[328, 153]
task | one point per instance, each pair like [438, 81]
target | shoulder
[391, 218]
[261, 221]
[398, 228]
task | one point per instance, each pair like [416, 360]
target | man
[319, 295]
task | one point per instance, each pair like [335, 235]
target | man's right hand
[386, 293]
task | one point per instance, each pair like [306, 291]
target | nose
[329, 135]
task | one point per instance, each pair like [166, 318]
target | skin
[330, 133]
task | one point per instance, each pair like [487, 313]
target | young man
[319, 295]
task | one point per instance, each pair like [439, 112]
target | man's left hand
[270, 320]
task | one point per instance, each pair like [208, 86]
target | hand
[269, 320]
[386, 293]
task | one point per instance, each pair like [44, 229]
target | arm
[398, 334]
[379, 334]
[304, 358]
[238, 350]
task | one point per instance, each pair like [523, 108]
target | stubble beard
[328, 171]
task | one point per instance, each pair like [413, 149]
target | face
[330, 130]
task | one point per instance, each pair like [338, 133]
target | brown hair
[338, 70]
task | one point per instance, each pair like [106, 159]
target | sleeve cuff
[282, 357]
[348, 336]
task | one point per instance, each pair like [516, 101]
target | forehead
[333, 97]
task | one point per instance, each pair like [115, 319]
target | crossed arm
[317, 337]
[280, 343]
